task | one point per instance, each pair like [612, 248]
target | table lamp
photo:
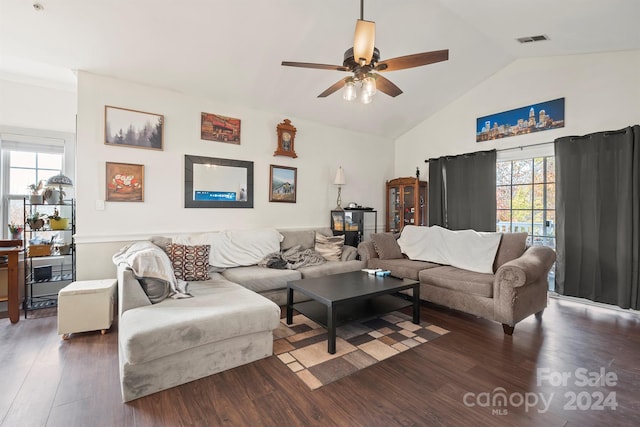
[61, 181]
[339, 181]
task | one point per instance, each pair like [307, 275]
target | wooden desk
[12, 281]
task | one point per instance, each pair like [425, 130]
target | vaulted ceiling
[231, 50]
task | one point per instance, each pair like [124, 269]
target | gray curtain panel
[598, 215]
[437, 205]
[462, 191]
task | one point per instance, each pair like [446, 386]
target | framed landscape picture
[131, 128]
[124, 182]
[214, 127]
[283, 184]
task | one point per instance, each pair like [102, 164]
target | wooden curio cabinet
[406, 203]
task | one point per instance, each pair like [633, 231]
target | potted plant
[52, 195]
[16, 231]
[57, 222]
[36, 220]
[36, 198]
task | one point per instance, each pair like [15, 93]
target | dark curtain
[598, 215]
[462, 191]
[437, 204]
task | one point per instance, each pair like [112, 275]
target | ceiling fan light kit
[349, 93]
[363, 59]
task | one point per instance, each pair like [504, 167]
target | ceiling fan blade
[335, 87]
[385, 85]
[415, 60]
[316, 66]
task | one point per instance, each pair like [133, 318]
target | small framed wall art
[283, 184]
[214, 127]
[286, 136]
[124, 182]
[131, 128]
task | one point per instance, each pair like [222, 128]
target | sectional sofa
[512, 285]
[227, 321]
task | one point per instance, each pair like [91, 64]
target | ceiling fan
[363, 60]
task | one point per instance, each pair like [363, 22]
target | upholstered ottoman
[86, 306]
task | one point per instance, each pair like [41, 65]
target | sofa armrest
[367, 250]
[520, 286]
[130, 293]
[533, 265]
[349, 253]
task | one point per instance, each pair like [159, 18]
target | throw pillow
[190, 263]
[156, 289]
[329, 247]
[386, 246]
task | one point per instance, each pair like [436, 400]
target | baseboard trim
[593, 303]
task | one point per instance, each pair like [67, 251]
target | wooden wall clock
[286, 136]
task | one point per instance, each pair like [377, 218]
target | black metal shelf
[39, 302]
[63, 266]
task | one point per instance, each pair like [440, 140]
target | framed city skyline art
[519, 121]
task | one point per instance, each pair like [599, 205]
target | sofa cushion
[331, 267]
[190, 263]
[386, 246]
[260, 279]
[464, 281]
[403, 267]
[291, 238]
[330, 247]
[216, 312]
[512, 246]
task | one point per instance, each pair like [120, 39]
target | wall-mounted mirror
[210, 182]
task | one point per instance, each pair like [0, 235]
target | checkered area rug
[302, 346]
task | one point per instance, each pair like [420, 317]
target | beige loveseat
[516, 289]
[228, 322]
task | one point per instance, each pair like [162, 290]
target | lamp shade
[364, 41]
[339, 179]
[60, 180]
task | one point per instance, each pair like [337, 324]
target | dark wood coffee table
[342, 298]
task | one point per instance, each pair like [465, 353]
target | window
[25, 163]
[525, 196]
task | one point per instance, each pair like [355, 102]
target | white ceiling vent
[530, 39]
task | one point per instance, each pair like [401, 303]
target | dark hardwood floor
[451, 381]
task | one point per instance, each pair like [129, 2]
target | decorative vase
[16, 235]
[53, 198]
[59, 224]
[36, 199]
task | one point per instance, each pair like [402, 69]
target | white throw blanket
[235, 248]
[466, 249]
[148, 260]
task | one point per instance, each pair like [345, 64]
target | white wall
[367, 162]
[601, 91]
[37, 107]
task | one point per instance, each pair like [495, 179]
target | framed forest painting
[132, 128]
